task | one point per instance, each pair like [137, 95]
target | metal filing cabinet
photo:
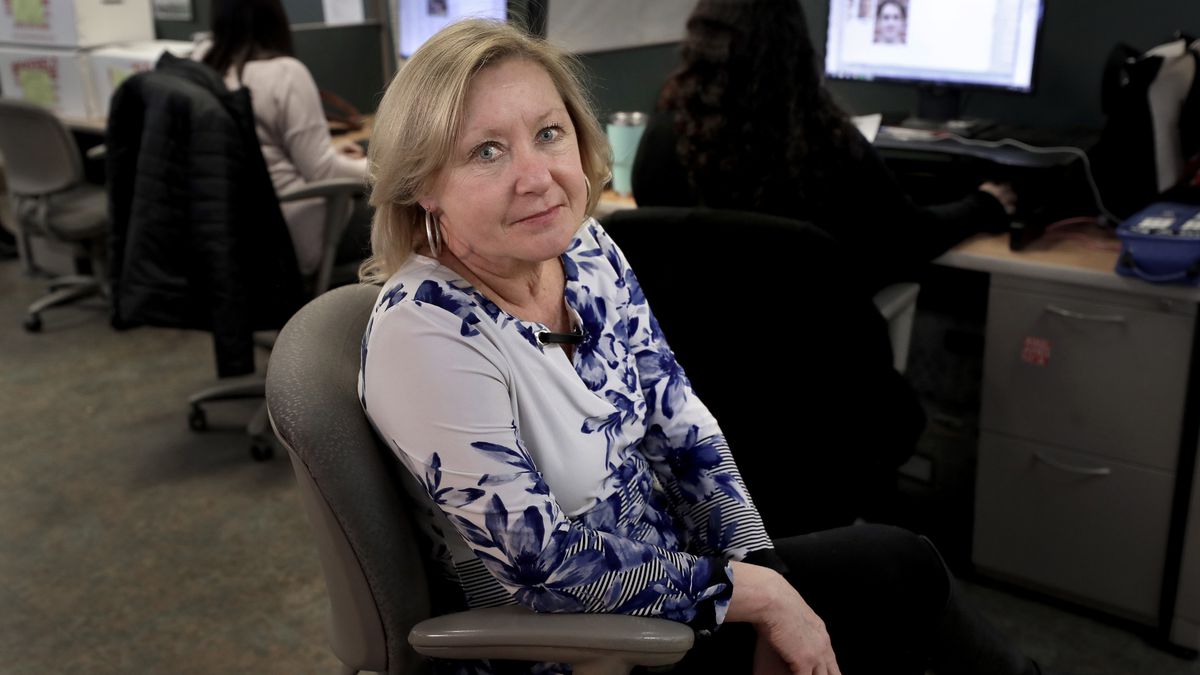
[1185, 629]
[1083, 403]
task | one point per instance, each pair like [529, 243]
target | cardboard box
[58, 79]
[111, 65]
[75, 23]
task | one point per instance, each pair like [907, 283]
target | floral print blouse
[597, 483]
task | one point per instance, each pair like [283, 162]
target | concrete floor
[130, 544]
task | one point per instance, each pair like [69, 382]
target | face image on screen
[955, 42]
[418, 20]
[891, 22]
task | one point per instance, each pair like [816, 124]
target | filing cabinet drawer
[1187, 604]
[1073, 371]
[1090, 528]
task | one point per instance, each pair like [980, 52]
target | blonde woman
[515, 368]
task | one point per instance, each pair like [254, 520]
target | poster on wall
[583, 27]
[340, 12]
[173, 10]
[418, 20]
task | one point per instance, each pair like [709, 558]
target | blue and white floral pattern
[602, 486]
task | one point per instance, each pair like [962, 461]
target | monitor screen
[418, 20]
[988, 43]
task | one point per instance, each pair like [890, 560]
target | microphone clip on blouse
[547, 337]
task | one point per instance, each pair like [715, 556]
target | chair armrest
[898, 305]
[894, 299]
[613, 641]
[326, 188]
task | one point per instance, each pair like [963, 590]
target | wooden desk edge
[1062, 261]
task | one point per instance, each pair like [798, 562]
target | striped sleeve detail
[481, 588]
[720, 524]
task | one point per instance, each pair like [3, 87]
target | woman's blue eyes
[490, 150]
[487, 151]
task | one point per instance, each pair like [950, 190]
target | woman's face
[512, 191]
[891, 23]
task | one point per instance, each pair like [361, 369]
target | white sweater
[296, 144]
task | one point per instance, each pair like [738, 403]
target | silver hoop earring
[588, 184]
[433, 234]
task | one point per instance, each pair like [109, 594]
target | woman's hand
[787, 627]
[1003, 193]
[350, 149]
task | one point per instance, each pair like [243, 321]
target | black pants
[889, 604]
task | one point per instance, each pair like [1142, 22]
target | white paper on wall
[173, 10]
[587, 26]
[343, 11]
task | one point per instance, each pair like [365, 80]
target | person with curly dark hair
[746, 123]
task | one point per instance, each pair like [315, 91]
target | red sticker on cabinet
[1036, 351]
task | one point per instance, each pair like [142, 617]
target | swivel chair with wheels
[338, 194]
[375, 572]
[50, 198]
[783, 342]
[199, 240]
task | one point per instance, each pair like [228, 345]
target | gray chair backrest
[350, 484]
[41, 156]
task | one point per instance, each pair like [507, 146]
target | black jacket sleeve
[659, 177]
[864, 207]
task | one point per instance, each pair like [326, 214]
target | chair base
[255, 386]
[63, 290]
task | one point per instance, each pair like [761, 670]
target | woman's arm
[436, 389]
[864, 207]
[304, 132]
[788, 629]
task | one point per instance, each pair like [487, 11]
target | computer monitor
[418, 20]
[943, 45]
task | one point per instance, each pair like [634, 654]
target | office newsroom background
[1076, 38]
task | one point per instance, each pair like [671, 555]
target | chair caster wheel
[197, 420]
[33, 323]
[262, 451]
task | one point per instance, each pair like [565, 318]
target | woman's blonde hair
[417, 127]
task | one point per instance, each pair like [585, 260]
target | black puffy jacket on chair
[198, 240]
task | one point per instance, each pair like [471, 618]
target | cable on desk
[1048, 150]
[1053, 230]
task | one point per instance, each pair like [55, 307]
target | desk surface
[98, 124]
[94, 125]
[1085, 259]
[1077, 260]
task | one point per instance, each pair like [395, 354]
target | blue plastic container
[1161, 244]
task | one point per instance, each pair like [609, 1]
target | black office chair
[51, 199]
[780, 338]
[352, 488]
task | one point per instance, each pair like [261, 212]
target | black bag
[1151, 102]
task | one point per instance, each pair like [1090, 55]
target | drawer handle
[1081, 470]
[1069, 314]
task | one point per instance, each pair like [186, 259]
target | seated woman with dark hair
[514, 367]
[252, 47]
[745, 123]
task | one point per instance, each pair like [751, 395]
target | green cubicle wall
[348, 60]
[1076, 38]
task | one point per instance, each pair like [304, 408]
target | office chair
[374, 568]
[782, 341]
[199, 240]
[338, 193]
[51, 199]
